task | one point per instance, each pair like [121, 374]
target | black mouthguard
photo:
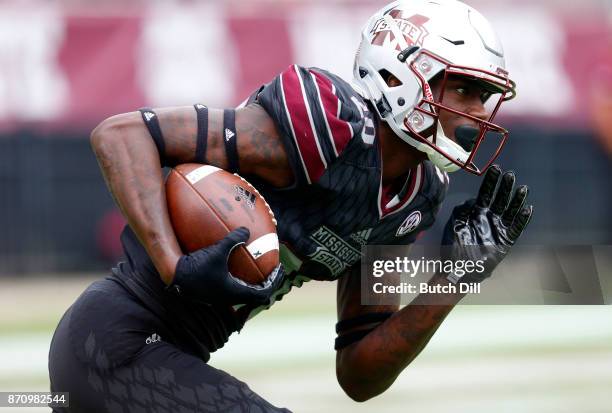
[466, 136]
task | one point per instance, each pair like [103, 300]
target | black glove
[203, 275]
[486, 227]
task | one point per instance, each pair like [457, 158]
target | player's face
[463, 95]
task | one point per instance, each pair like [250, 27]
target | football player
[342, 165]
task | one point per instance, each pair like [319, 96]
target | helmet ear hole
[389, 78]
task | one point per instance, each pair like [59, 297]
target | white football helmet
[415, 40]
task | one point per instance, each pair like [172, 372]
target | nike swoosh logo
[455, 42]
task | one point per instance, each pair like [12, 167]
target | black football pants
[111, 355]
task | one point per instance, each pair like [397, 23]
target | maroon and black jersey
[336, 205]
[338, 202]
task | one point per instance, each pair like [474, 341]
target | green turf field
[483, 359]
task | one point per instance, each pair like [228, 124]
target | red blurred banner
[71, 70]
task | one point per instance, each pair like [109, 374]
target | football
[206, 203]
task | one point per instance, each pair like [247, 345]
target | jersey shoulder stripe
[339, 132]
[297, 104]
[317, 114]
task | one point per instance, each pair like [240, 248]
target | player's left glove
[486, 227]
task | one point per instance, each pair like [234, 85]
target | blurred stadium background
[66, 65]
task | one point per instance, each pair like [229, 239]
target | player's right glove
[203, 275]
[486, 227]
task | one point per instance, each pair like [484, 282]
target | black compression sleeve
[202, 139]
[229, 137]
[350, 338]
[362, 320]
[152, 123]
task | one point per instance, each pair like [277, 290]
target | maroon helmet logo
[411, 27]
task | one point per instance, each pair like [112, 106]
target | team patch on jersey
[411, 223]
[333, 252]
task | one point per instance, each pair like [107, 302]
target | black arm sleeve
[150, 120]
[345, 339]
